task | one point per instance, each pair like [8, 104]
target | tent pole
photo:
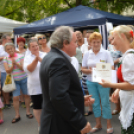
[15, 40]
[103, 31]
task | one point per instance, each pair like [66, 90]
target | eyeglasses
[41, 38]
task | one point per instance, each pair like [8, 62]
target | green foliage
[32, 10]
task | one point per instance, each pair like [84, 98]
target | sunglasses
[42, 38]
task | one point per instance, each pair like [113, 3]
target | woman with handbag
[14, 65]
[5, 38]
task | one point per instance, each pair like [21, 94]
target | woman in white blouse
[93, 56]
[32, 62]
[123, 41]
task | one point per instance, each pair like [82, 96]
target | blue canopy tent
[77, 17]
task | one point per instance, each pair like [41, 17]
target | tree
[32, 10]
[22, 10]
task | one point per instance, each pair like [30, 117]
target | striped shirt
[17, 73]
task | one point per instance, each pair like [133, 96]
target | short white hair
[31, 41]
[61, 34]
[8, 44]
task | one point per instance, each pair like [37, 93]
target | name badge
[102, 61]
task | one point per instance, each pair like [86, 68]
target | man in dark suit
[63, 101]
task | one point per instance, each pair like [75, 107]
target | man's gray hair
[31, 41]
[4, 36]
[61, 34]
[8, 44]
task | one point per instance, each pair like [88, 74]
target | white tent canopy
[7, 25]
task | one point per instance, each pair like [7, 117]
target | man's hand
[88, 100]
[115, 96]
[86, 129]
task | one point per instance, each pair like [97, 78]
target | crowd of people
[56, 76]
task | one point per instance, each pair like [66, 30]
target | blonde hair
[126, 31]
[95, 35]
[40, 35]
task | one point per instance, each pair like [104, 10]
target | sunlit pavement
[30, 126]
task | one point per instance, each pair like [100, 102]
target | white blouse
[127, 97]
[33, 83]
[90, 59]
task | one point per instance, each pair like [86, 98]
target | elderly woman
[93, 56]
[123, 41]
[14, 65]
[43, 43]
[32, 64]
[5, 39]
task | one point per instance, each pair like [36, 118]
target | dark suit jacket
[63, 101]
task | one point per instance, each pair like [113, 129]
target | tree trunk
[78, 2]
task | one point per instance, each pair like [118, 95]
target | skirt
[1, 104]
[130, 130]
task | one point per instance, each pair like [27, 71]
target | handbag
[9, 84]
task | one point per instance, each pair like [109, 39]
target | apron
[127, 102]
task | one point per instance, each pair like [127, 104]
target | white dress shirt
[127, 97]
[73, 61]
[84, 48]
[2, 54]
[90, 59]
[34, 86]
